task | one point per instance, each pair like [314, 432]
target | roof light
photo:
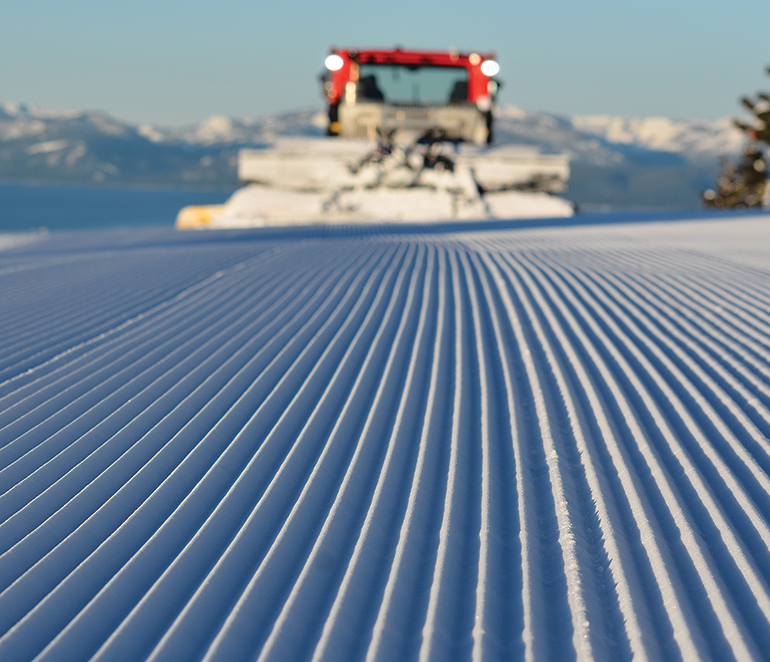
[489, 68]
[334, 62]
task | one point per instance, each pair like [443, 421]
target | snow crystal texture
[493, 443]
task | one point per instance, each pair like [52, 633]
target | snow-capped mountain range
[605, 139]
[653, 161]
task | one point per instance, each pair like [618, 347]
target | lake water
[28, 207]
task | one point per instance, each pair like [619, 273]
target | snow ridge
[356, 443]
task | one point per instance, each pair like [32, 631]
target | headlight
[334, 62]
[489, 68]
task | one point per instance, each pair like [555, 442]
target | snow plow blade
[197, 216]
[300, 181]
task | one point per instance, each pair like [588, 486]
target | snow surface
[12, 240]
[535, 441]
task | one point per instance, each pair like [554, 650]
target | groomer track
[493, 443]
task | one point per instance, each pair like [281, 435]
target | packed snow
[543, 440]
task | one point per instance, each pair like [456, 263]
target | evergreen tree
[744, 184]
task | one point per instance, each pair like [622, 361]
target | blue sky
[173, 63]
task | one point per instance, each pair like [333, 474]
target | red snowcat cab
[412, 132]
[408, 92]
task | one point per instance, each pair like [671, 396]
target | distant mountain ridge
[618, 161]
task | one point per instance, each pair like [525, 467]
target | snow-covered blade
[323, 180]
[461, 442]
